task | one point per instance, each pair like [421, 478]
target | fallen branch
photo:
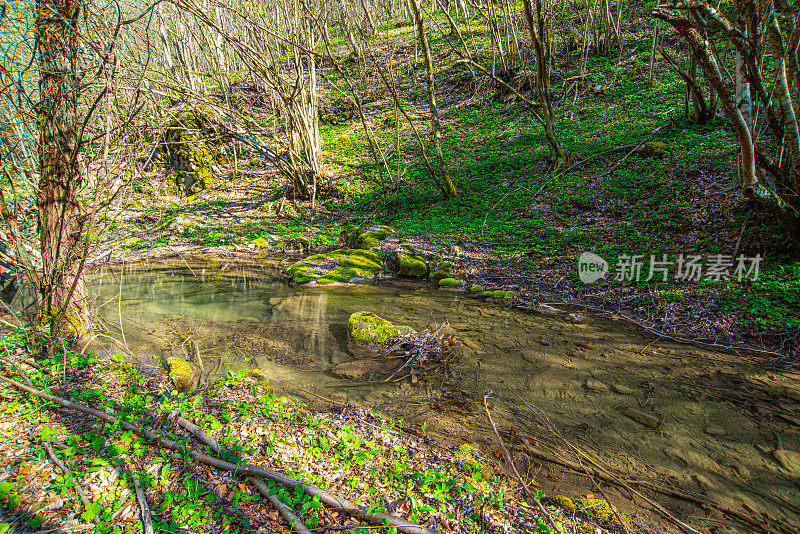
[66, 471]
[144, 510]
[332, 501]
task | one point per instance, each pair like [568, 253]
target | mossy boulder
[365, 238]
[451, 284]
[190, 158]
[408, 262]
[339, 266]
[653, 149]
[365, 328]
[475, 291]
[443, 270]
[184, 375]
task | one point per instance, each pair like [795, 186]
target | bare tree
[443, 179]
[770, 176]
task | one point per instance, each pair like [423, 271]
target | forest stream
[716, 427]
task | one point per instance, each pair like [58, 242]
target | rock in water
[368, 328]
[714, 430]
[596, 386]
[622, 389]
[339, 266]
[367, 332]
[789, 460]
[183, 374]
[647, 419]
[358, 369]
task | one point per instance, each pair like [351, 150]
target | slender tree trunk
[538, 33]
[60, 218]
[444, 181]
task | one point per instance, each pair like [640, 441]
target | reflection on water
[716, 427]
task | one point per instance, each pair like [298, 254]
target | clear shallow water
[719, 418]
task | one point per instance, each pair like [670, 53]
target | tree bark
[60, 219]
[444, 181]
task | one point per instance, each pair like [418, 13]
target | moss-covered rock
[500, 295]
[408, 262]
[365, 328]
[564, 502]
[653, 149]
[451, 283]
[476, 291]
[443, 270]
[340, 266]
[183, 374]
[365, 238]
[595, 507]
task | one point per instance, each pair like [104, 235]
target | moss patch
[450, 282]
[443, 270]
[368, 328]
[365, 238]
[476, 290]
[499, 294]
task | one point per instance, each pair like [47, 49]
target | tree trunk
[60, 219]
[444, 181]
[538, 33]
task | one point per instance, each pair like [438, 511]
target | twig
[262, 487]
[519, 478]
[147, 521]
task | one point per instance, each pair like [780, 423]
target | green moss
[411, 264]
[181, 373]
[443, 270]
[368, 328]
[653, 149]
[301, 272]
[476, 290]
[365, 238]
[344, 264]
[342, 274]
[564, 502]
[364, 259]
[499, 294]
[450, 282]
[260, 242]
[595, 507]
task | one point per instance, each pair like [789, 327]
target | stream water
[689, 421]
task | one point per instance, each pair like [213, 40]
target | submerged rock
[358, 369]
[183, 374]
[575, 318]
[647, 419]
